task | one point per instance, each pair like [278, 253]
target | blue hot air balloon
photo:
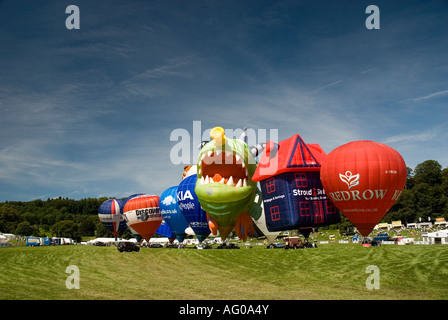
[191, 208]
[110, 214]
[164, 230]
[293, 195]
[171, 213]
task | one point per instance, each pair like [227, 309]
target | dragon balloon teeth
[225, 167]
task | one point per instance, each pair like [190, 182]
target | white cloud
[429, 96]
[435, 133]
[424, 136]
[326, 86]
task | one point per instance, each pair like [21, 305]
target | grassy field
[331, 271]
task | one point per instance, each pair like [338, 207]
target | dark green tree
[87, 226]
[67, 229]
[10, 218]
[24, 229]
[429, 171]
[409, 179]
[101, 231]
[32, 218]
[345, 227]
[404, 209]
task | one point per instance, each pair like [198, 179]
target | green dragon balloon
[224, 186]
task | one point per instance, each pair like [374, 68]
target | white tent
[108, 241]
[4, 241]
[440, 222]
[162, 241]
[438, 237]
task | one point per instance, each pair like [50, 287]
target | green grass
[332, 271]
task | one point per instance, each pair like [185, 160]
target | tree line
[57, 217]
[425, 196]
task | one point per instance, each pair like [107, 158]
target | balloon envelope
[363, 180]
[261, 221]
[130, 197]
[164, 230]
[171, 213]
[293, 195]
[136, 235]
[224, 187]
[143, 215]
[191, 208]
[110, 214]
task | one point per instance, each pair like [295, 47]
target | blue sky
[89, 112]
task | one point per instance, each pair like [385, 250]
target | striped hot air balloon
[110, 214]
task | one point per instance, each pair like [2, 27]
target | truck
[295, 243]
[127, 246]
[44, 241]
[382, 237]
[32, 241]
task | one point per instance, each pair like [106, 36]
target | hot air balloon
[110, 214]
[136, 235]
[258, 215]
[172, 214]
[364, 179]
[130, 197]
[189, 170]
[293, 195]
[225, 187]
[143, 215]
[191, 208]
[164, 230]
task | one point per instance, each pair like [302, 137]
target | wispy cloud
[428, 96]
[157, 80]
[326, 86]
[425, 136]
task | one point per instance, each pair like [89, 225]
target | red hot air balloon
[142, 214]
[363, 180]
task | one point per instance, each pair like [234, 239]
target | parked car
[128, 247]
[155, 245]
[203, 246]
[275, 245]
[227, 246]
